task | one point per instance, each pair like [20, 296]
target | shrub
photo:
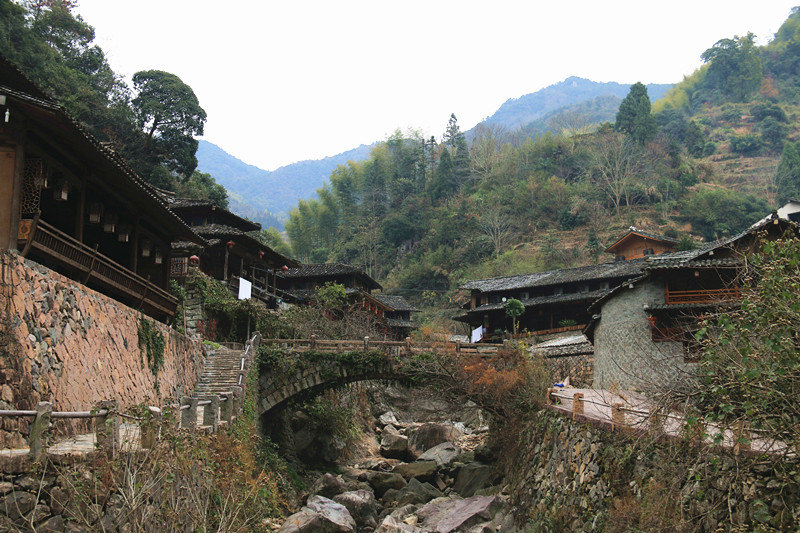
[747, 144]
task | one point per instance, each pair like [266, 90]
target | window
[524, 296]
[648, 251]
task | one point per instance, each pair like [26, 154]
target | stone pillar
[211, 413]
[189, 415]
[150, 427]
[617, 415]
[106, 427]
[577, 404]
[40, 428]
[226, 407]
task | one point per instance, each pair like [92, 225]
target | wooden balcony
[708, 296]
[70, 252]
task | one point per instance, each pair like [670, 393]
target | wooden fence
[218, 410]
[406, 347]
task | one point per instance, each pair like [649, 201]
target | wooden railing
[218, 410]
[407, 346]
[71, 252]
[702, 296]
[562, 329]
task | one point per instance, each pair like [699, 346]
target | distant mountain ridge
[268, 196]
[518, 112]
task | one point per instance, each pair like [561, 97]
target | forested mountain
[714, 155]
[270, 195]
[267, 196]
[518, 112]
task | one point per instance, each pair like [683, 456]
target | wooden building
[304, 280]
[72, 204]
[231, 253]
[557, 300]
[643, 330]
[638, 243]
[394, 313]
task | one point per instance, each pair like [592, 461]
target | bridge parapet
[349, 361]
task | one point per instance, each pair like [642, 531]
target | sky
[300, 79]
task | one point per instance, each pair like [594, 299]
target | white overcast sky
[292, 80]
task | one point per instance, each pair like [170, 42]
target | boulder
[450, 514]
[431, 434]
[51, 525]
[415, 493]
[422, 470]
[391, 524]
[473, 477]
[362, 506]
[332, 511]
[394, 445]
[320, 515]
[383, 481]
[329, 486]
[443, 454]
[388, 418]
[17, 504]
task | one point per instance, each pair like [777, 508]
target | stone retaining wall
[572, 476]
[65, 343]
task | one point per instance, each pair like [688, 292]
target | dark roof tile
[397, 303]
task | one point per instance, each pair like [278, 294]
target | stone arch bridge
[316, 374]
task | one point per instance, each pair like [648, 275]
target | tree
[787, 178]
[514, 309]
[593, 245]
[735, 70]
[498, 227]
[614, 164]
[715, 213]
[169, 114]
[634, 118]
[202, 186]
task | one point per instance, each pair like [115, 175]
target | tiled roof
[400, 323]
[725, 262]
[615, 269]
[582, 346]
[111, 156]
[327, 270]
[397, 303]
[219, 230]
[551, 299]
[180, 205]
[636, 231]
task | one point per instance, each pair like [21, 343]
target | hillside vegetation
[705, 162]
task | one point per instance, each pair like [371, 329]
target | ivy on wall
[152, 342]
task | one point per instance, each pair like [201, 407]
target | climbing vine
[152, 342]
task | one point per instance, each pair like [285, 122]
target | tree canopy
[634, 118]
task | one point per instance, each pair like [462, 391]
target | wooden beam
[81, 212]
[16, 196]
[225, 267]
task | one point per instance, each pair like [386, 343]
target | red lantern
[261, 255]
[652, 320]
[231, 244]
[194, 259]
[284, 268]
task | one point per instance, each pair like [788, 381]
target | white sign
[245, 289]
[477, 334]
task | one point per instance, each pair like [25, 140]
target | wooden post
[189, 416]
[366, 343]
[458, 347]
[106, 427]
[37, 440]
[577, 404]
[135, 250]
[225, 407]
[617, 415]
[741, 437]
[81, 212]
[225, 266]
[211, 414]
[149, 429]
[313, 342]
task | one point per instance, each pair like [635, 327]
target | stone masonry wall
[573, 476]
[65, 343]
[625, 355]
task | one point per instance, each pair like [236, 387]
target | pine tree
[593, 245]
[634, 117]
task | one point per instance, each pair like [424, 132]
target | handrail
[562, 329]
[96, 264]
[701, 295]
[218, 409]
[304, 345]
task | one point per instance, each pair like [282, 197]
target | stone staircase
[222, 369]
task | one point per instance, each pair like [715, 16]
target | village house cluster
[72, 204]
[631, 320]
